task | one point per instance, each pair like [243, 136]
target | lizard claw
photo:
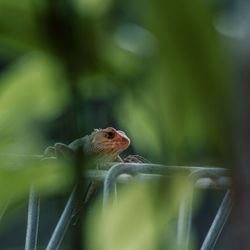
[49, 152]
[63, 151]
[135, 159]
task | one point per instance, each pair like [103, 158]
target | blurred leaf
[136, 118]
[31, 90]
[92, 8]
[186, 97]
[16, 179]
[139, 221]
[122, 62]
[135, 39]
[19, 30]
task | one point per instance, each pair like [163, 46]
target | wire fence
[111, 173]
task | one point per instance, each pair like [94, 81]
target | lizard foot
[63, 151]
[135, 159]
[49, 152]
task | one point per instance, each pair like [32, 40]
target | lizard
[102, 145]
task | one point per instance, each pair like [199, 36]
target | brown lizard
[102, 145]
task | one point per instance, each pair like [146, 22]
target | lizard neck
[100, 153]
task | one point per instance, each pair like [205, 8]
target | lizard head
[109, 141]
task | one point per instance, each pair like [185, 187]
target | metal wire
[219, 222]
[185, 220]
[63, 223]
[214, 177]
[32, 221]
[135, 168]
[222, 182]
[202, 177]
[3, 209]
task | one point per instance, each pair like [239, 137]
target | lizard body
[102, 144]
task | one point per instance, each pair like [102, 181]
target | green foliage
[32, 89]
[19, 28]
[184, 107]
[143, 218]
[154, 68]
[18, 176]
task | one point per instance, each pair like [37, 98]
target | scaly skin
[101, 145]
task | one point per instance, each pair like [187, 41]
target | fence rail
[111, 173]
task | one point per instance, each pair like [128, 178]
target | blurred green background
[159, 70]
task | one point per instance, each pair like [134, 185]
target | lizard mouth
[123, 138]
[110, 141]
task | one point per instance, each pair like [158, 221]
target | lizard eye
[110, 135]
